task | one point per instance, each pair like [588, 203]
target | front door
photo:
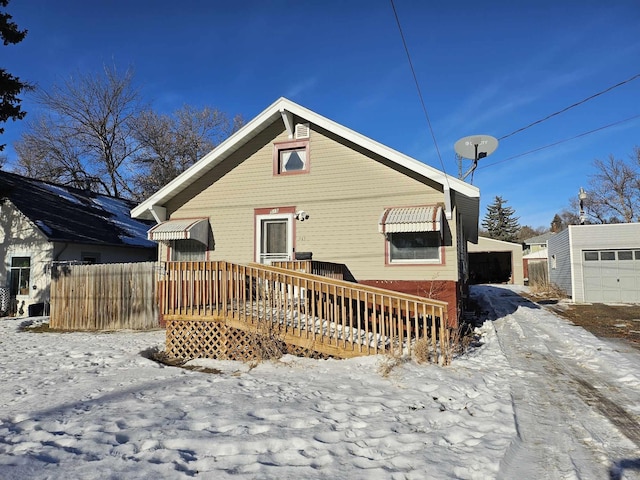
[274, 237]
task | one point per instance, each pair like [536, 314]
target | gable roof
[66, 214]
[285, 110]
[539, 239]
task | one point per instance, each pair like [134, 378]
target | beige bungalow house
[292, 184]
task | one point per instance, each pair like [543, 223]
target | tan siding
[344, 194]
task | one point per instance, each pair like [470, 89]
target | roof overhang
[181, 229]
[285, 110]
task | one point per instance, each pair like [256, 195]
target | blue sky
[488, 67]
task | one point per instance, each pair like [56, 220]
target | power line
[571, 106]
[561, 141]
[415, 79]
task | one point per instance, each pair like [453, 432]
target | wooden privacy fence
[538, 273]
[315, 313]
[110, 296]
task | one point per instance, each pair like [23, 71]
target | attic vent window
[302, 131]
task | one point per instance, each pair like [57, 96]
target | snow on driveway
[537, 399]
[576, 398]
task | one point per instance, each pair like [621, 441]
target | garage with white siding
[597, 263]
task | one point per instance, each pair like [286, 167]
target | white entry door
[274, 238]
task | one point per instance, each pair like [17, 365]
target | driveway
[576, 408]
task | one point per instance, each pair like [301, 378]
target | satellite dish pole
[474, 147]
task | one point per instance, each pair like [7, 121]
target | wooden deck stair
[312, 312]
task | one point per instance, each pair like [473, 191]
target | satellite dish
[475, 147]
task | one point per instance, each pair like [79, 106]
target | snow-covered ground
[538, 399]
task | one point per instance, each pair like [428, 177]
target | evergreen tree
[500, 222]
[557, 224]
[10, 86]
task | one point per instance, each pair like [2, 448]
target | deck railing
[324, 269]
[327, 315]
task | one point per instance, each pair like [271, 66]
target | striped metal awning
[426, 218]
[181, 229]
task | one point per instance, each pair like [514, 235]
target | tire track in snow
[625, 421]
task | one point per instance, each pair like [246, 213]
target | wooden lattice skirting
[189, 339]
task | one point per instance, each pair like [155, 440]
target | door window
[275, 238]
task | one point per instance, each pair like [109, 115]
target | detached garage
[597, 263]
[495, 261]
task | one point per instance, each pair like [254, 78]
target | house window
[188, 251]
[414, 247]
[291, 158]
[20, 275]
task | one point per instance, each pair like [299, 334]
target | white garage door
[611, 276]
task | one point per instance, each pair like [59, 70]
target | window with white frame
[20, 276]
[291, 157]
[414, 247]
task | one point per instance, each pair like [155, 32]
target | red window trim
[278, 147]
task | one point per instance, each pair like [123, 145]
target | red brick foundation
[444, 290]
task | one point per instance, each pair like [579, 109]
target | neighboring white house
[597, 263]
[495, 261]
[43, 223]
[537, 243]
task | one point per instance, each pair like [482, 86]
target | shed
[597, 263]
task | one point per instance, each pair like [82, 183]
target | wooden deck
[322, 314]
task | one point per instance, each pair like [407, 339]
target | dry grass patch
[547, 290]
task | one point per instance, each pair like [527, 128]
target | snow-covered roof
[66, 214]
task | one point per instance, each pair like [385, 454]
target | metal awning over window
[427, 218]
[181, 229]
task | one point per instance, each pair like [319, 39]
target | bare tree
[527, 232]
[569, 216]
[171, 144]
[46, 154]
[614, 190]
[85, 139]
